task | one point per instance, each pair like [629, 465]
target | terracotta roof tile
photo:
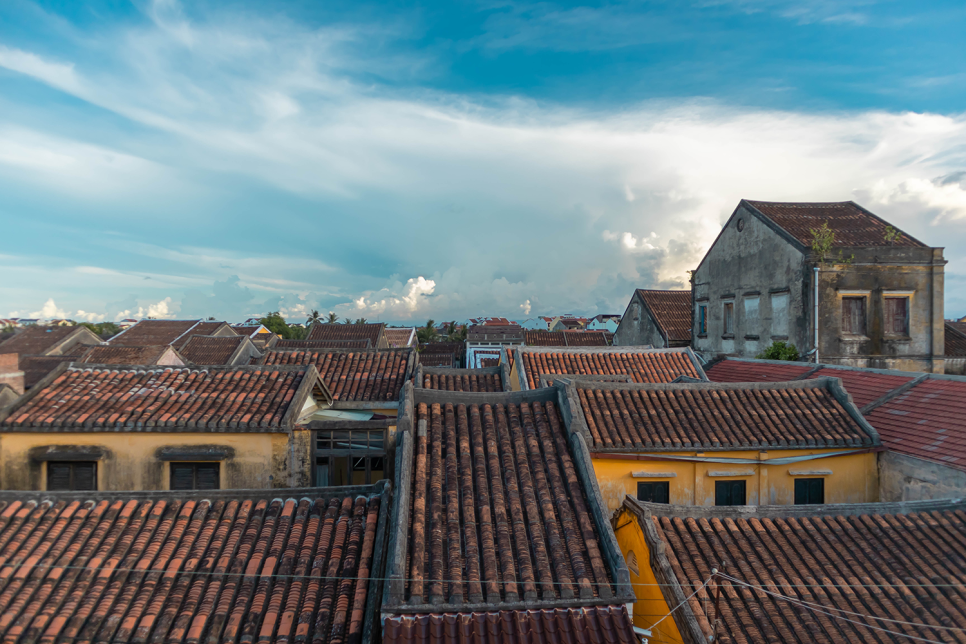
[604, 624]
[35, 368]
[224, 566]
[852, 224]
[371, 332]
[644, 366]
[109, 354]
[708, 415]
[955, 339]
[38, 340]
[864, 386]
[162, 399]
[671, 311]
[324, 344]
[441, 360]
[154, 332]
[566, 338]
[729, 370]
[473, 380]
[203, 328]
[881, 560]
[498, 511]
[352, 375]
[927, 421]
[401, 338]
[210, 350]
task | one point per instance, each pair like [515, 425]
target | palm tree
[333, 318]
[427, 333]
[361, 321]
[348, 320]
[314, 317]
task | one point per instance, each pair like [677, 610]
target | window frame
[864, 324]
[733, 483]
[803, 492]
[194, 465]
[665, 486]
[888, 318]
[345, 443]
[71, 477]
[702, 320]
[728, 318]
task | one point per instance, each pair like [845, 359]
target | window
[809, 491]
[703, 319]
[195, 476]
[70, 475]
[853, 315]
[897, 315]
[729, 318]
[350, 457]
[751, 310]
[779, 314]
[729, 493]
[655, 492]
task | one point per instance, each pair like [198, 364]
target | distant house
[604, 322]
[567, 323]
[567, 338]
[661, 319]
[214, 350]
[485, 341]
[880, 291]
[260, 335]
[126, 322]
[32, 353]
[442, 354]
[174, 332]
[162, 354]
[401, 338]
[375, 333]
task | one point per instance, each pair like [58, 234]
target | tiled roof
[489, 362]
[455, 348]
[644, 366]
[729, 370]
[900, 567]
[852, 224]
[498, 512]
[671, 311]
[565, 338]
[494, 333]
[482, 380]
[35, 368]
[863, 385]
[438, 359]
[235, 399]
[218, 567]
[324, 344]
[322, 331]
[109, 354]
[401, 338]
[955, 339]
[202, 328]
[804, 414]
[211, 350]
[249, 330]
[153, 332]
[594, 625]
[355, 376]
[37, 340]
[927, 421]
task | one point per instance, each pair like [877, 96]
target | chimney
[10, 373]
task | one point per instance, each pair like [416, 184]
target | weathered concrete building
[880, 291]
[661, 319]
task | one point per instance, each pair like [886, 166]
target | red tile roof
[603, 624]
[109, 354]
[211, 350]
[885, 561]
[207, 329]
[481, 380]
[154, 332]
[671, 311]
[234, 399]
[356, 376]
[38, 340]
[730, 370]
[489, 362]
[955, 339]
[498, 511]
[249, 330]
[863, 385]
[852, 224]
[684, 416]
[927, 421]
[218, 567]
[658, 365]
[401, 338]
[495, 333]
[324, 331]
[324, 344]
[566, 338]
[36, 368]
[447, 360]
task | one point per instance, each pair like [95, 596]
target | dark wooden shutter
[58, 476]
[654, 492]
[896, 315]
[809, 491]
[182, 476]
[730, 493]
[853, 315]
[207, 476]
[85, 476]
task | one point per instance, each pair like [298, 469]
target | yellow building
[105, 427]
[704, 444]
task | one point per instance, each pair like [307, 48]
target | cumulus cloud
[525, 307]
[399, 301]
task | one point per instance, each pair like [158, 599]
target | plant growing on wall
[779, 350]
[892, 235]
[823, 238]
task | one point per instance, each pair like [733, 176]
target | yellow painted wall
[854, 478]
[260, 460]
[514, 377]
[650, 606]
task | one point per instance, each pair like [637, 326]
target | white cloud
[526, 307]
[396, 300]
[50, 311]
[59, 75]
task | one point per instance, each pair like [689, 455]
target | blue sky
[402, 161]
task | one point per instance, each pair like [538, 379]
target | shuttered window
[69, 475]
[654, 492]
[779, 314]
[730, 493]
[809, 491]
[853, 315]
[195, 476]
[897, 315]
[703, 319]
[729, 317]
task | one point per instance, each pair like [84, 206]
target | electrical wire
[706, 582]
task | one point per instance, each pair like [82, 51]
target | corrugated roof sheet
[928, 421]
[852, 225]
[161, 399]
[874, 560]
[185, 568]
[352, 375]
[591, 625]
[708, 415]
[729, 370]
[210, 350]
[498, 512]
[323, 331]
[671, 311]
[37, 340]
[643, 366]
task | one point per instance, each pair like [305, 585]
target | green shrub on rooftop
[779, 350]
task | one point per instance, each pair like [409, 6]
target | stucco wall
[854, 477]
[907, 478]
[637, 327]
[131, 461]
[754, 260]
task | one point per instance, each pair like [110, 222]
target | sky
[405, 161]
